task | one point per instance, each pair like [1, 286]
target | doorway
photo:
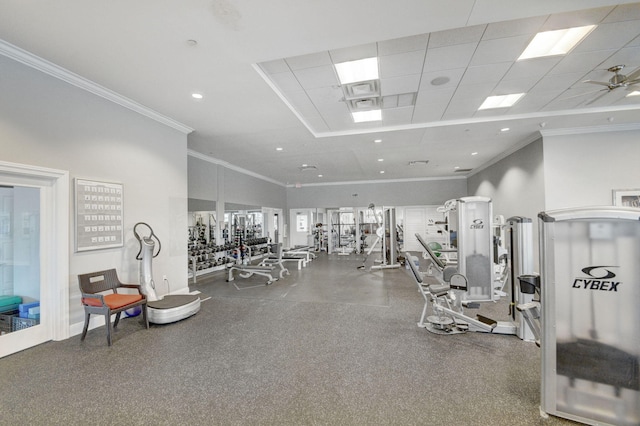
[34, 245]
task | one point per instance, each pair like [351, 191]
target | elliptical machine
[170, 308]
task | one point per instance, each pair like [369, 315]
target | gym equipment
[387, 235]
[590, 260]
[519, 247]
[448, 303]
[170, 308]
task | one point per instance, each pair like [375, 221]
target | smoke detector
[417, 162]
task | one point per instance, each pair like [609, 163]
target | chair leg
[86, 326]
[107, 318]
[144, 315]
[115, 323]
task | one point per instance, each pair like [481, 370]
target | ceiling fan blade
[581, 94]
[601, 83]
[634, 76]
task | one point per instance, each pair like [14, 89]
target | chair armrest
[98, 297]
[136, 286]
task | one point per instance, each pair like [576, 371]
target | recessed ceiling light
[505, 129]
[278, 149]
[360, 70]
[305, 165]
[503, 101]
[377, 140]
[197, 96]
[474, 153]
[456, 167]
[634, 93]
[319, 175]
[558, 42]
[363, 116]
[380, 159]
[381, 172]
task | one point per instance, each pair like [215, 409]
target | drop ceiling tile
[530, 68]
[634, 42]
[521, 85]
[610, 36]
[581, 62]
[578, 18]
[557, 82]
[397, 116]
[274, 67]
[456, 36]
[484, 74]
[532, 102]
[516, 27]
[499, 50]
[454, 76]
[309, 61]
[401, 64]
[301, 102]
[336, 108]
[286, 82]
[398, 85]
[444, 58]
[473, 91]
[629, 56]
[440, 97]
[468, 104]
[404, 44]
[325, 96]
[311, 78]
[428, 112]
[624, 12]
[354, 53]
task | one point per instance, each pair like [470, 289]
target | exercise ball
[133, 312]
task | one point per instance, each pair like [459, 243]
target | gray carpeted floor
[327, 345]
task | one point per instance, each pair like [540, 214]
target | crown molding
[42, 65]
[230, 166]
[592, 129]
[378, 181]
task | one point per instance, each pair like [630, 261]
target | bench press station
[275, 258]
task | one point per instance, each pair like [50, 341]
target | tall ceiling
[271, 99]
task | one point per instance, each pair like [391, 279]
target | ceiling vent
[363, 104]
[305, 168]
[362, 89]
[418, 162]
[463, 170]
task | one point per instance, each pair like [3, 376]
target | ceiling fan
[618, 80]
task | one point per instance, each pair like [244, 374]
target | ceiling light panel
[503, 101]
[557, 42]
[356, 71]
[364, 116]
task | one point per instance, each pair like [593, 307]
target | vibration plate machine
[171, 307]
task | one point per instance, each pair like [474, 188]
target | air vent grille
[463, 170]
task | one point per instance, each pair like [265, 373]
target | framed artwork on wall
[99, 215]
[626, 197]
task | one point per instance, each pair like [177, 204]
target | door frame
[54, 254]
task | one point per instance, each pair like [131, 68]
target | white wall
[516, 186]
[409, 193]
[47, 122]
[583, 169]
